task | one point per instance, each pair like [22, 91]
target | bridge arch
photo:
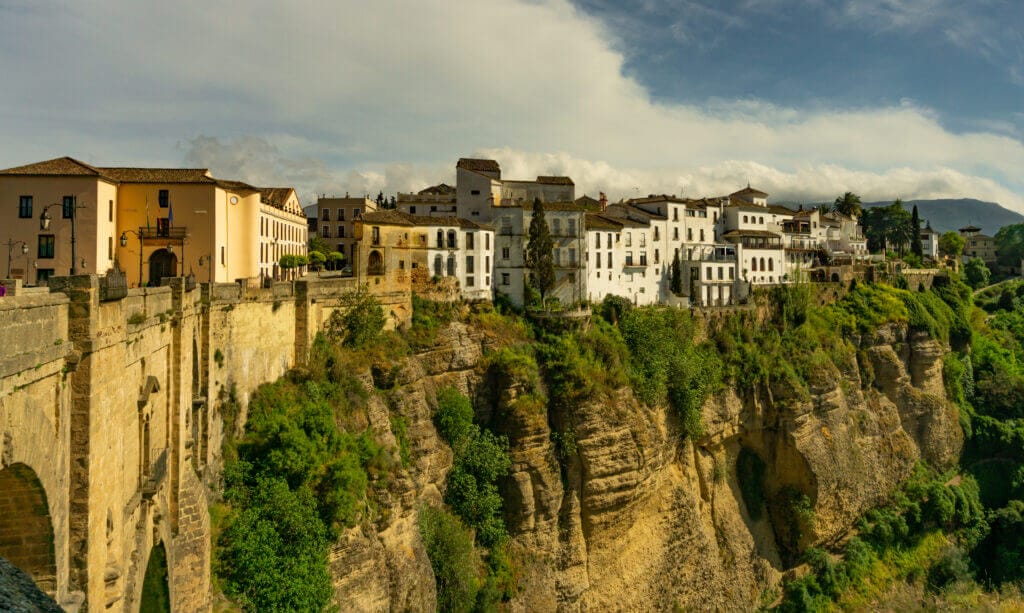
[26, 530]
[156, 594]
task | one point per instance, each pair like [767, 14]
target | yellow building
[154, 222]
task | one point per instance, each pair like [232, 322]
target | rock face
[19, 594]
[631, 517]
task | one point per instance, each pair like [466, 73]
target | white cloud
[353, 96]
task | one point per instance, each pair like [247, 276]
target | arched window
[760, 220]
[771, 264]
[744, 219]
[753, 264]
[451, 264]
[438, 263]
[762, 265]
[451, 239]
[440, 240]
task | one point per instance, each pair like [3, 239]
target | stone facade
[110, 423]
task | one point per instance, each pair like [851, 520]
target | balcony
[175, 233]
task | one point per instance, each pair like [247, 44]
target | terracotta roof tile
[478, 165]
[593, 221]
[441, 189]
[749, 191]
[275, 196]
[554, 180]
[398, 218]
[63, 166]
[159, 175]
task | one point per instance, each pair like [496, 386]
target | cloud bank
[358, 97]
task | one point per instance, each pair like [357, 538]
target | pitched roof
[61, 167]
[275, 196]
[554, 180]
[593, 221]
[478, 165]
[394, 217]
[587, 201]
[439, 189]
[738, 233]
[970, 228]
[658, 198]
[159, 175]
[749, 191]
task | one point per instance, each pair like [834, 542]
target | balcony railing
[177, 232]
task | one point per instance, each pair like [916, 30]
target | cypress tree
[915, 229]
[677, 276]
[540, 253]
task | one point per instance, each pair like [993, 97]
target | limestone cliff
[630, 516]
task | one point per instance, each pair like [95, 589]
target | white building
[930, 242]
[434, 201]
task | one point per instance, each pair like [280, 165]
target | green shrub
[359, 321]
[456, 564]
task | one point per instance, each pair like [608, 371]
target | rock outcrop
[629, 516]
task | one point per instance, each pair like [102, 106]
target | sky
[805, 99]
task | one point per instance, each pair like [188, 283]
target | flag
[170, 214]
[147, 215]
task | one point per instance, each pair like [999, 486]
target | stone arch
[26, 529]
[156, 592]
[835, 277]
[162, 263]
[375, 263]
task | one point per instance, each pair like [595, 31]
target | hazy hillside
[951, 214]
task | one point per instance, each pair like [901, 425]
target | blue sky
[803, 98]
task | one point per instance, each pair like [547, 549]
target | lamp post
[44, 224]
[124, 243]
[10, 248]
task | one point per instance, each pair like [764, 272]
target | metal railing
[177, 232]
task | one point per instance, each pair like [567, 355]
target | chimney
[603, 200]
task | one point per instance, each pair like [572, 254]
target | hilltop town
[467, 241]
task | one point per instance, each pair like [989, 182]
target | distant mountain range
[953, 214]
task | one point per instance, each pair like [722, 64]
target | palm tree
[848, 204]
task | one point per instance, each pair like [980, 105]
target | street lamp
[44, 224]
[124, 243]
[10, 248]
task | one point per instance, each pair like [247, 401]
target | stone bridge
[111, 425]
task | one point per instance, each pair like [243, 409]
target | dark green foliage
[481, 459]
[848, 204]
[274, 550]
[539, 257]
[359, 321]
[614, 308]
[750, 470]
[1010, 245]
[676, 285]
[950, 568]
[951, 244]
[456, 563]
[428, 316]
[667, 365]
[916, 247]
[1001, 554]
[888, 227]
[976, 273]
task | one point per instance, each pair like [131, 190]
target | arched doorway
[162, 263]
[156, 595]
[375, 263]
[26, 514]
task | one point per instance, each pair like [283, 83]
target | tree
[540, 253]
[335, 259]
[316, 259]
[677, 276]
[898, 228]
[976, 273]
[848, 204]
[951, 244]
[1010, 244]
[318, 244]
[915, 240]
[360, 320]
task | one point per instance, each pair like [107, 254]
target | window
[327, 215]
[771, 264]
[721, 273]
[643, 259]
[355, 213]
[675, 234]
[760, 220]
[609, 259]
[164, 196]
[401, 264]
[68, 207]
[558, 256]
[110, 211]
[702, 235]
[487, 243]
[629, 239]
[43, 275]
[45, 246]
[597, 240]
[689, 234]
[629, 258]
[474, 192]
[572, 227]
[707, 273]
[223, 255]
[675, 213]
[753, 264]
[643, 239]
[609, 240]
[327, 232]
[657, 256]
[487, 264]
[25, 206]
[469, 263]
[505, 279]
[469, 240]
[744, 219]
[451, 239]
[556, 227]
[732, 272]
[657, 234]
[470, 281]
[504, 253]
[110, 247]
[438, 265]
[341, 214]
[412, 210]
[572, 256]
